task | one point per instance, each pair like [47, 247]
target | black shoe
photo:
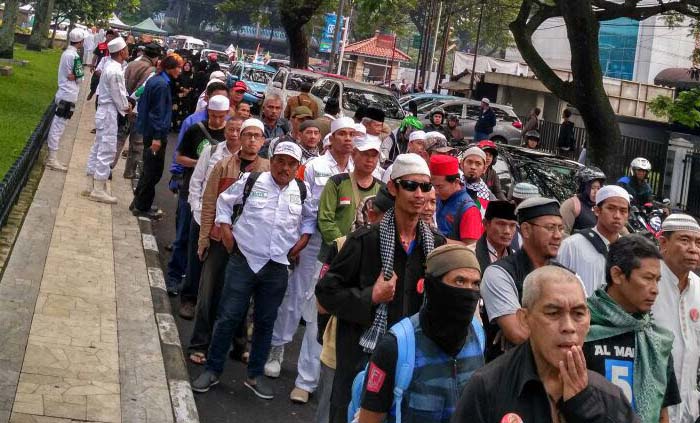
[169, 247]
[151, 214]
[259, 387]
[94, 130]
[186, 310]
[173, 292]
[205, 382]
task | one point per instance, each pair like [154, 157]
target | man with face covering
[449, 344]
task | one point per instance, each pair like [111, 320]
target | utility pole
[336, 34]
[346, 28]
[443, 50]
[476, 49]
[435, 39]
[419, 60]
[426, 40]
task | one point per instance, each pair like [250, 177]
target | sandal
[198, 358]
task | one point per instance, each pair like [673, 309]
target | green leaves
[684, 110]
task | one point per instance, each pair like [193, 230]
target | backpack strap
[302, 189]
[595, 240]
[405, 362]
[247, 188]
[211, 139]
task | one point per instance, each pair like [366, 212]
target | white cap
[218, 103]
[368, 142]
[680, 222]
[255, 123]
[486, 100]
[409, 164]
[417, 135]
[76, 35]
[475, 151]
[342, 123]
[217, 75]
[116, 45]
[211, 81]
[611, 191]
[435, 134]
[326, 141]
[360, 128]
[288, 148]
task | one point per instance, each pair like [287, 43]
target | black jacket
[346, 292]
[486, 122]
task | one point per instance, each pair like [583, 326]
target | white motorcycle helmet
[640, 163]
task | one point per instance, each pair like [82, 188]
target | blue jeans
[177, 266]
[189, 290]
[267, 288]
[479, 136]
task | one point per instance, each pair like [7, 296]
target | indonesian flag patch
[375, 378]
[345, 201]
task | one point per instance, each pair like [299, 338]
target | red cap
[443, 165]
[240, 86]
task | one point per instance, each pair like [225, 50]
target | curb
[181, 397]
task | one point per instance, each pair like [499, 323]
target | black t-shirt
[378, 393]
[193, 143]
[614, 358]
[245, 163]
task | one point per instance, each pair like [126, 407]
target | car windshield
[294, 82]
[257, 75]
[356, 97]
[554, 179]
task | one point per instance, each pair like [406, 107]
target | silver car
[353, 94]
[287, 82]
[507, 129]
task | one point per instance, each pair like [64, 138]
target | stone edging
[184, 408]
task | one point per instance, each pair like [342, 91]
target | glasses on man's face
[411, 186]
[550, 228]
[252, 136]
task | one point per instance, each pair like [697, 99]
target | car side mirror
[277, 84]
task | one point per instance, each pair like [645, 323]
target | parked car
[287, 82]
[256, 78]
[507, 129]
[221, 58]
[423, 98]
[553, 175]
[353, 94]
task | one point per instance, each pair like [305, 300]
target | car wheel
[499, 140]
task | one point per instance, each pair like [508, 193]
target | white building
[629, 49]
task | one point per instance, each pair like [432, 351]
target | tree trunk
[53, 33]
[294, 14]
[298, 47]
[589, 92]
[7, 30]
[42, 21]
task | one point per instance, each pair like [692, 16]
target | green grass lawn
[24, 97]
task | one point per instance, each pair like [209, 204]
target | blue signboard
[326, 42]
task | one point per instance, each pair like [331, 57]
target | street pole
[476, 49]
[432, 54]
[420, 48]
[346, 26]
[391, 65]
[443, 50]
[336, 33]
[426, 45]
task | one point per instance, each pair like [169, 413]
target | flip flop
[198, 358]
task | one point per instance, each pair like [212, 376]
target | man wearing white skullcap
[70, 73]
[586, 251]
[299, 301]
[206, 133]
[112, 101]
[416, 145]
[677, 307]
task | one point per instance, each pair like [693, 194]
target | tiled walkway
[92, 350]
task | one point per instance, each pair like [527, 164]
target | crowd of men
[427, 293]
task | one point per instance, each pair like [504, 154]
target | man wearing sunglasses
[379, 268]
[541, 226]
[458, 216]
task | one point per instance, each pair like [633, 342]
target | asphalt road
[229, 401]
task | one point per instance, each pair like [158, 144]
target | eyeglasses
[411, 186]
[550, 228]
[252, 136]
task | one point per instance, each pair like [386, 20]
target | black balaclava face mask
[447, 314]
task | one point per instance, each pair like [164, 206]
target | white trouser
[309, 364]
[58, 125]
[105, 146]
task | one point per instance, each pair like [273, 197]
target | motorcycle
[647, 220]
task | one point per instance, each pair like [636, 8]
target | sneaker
[186, 310]
[299, 396]
[259, 387]
[205, 381]
[173, 291]
[273, 367]
[153, 215]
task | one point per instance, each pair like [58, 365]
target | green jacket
[337, 206]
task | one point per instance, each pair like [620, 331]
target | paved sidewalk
[80, 338]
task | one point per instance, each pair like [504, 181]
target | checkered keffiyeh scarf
[480, 188]
[387, 243]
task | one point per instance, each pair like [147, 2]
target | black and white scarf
[480, 188]
[387, 243]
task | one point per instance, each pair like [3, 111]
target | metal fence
[16, 177]
[623, 152]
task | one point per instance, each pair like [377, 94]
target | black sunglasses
[411, 186]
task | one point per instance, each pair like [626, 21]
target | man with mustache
[502, 282]
[625, 344]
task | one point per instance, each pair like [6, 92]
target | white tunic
[679, 312]
[579, 255]
[112, 88]
[198, 181]
[67, 89]
[272, 220]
